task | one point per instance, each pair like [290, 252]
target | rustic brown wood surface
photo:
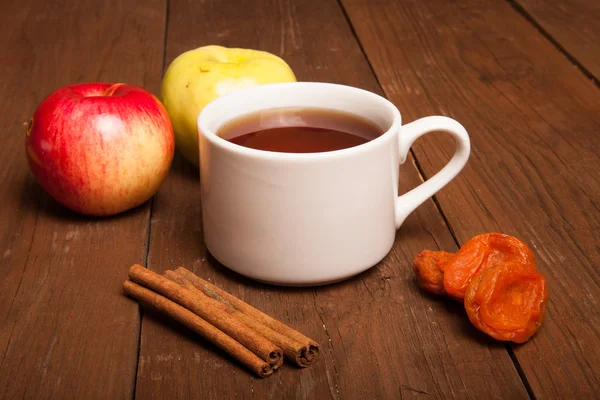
[573, 25]
[534, 167]
[66, 330]
[374, 323]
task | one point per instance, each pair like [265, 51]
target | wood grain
[65, 327]
[533, 120]
[574, 25]
[380, 336]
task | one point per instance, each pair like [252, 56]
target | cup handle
[408, 202]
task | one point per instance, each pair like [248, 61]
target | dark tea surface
[300, 130]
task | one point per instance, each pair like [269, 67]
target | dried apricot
[429, 268]
[480, 253]
[507, 302]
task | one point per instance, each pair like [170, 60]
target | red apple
[100, 148]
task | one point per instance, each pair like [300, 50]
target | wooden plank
[65, 328]
[574, 25]
[533, 120]
[380, 336]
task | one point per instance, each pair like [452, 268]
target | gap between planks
[424, 177]
[149, 223]
[572, 59]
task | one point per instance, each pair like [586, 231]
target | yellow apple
[198, 76]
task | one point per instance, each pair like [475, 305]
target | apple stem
[29, 127]
[112, 89]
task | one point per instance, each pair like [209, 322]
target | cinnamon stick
[256, 343]
[304, 352]
[288, 345]
[161, 304]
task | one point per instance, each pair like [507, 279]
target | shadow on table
[375, 272]
[457, 310]
[31, 192]
[28, 196]
[53, 210]
[233, 276]
[33, 196]
[184, 168]
[184, 337]
[374, 276]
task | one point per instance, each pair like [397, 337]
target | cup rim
[202, 129]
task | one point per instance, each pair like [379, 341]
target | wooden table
[521, 75]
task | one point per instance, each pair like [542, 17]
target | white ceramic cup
[310, 218]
